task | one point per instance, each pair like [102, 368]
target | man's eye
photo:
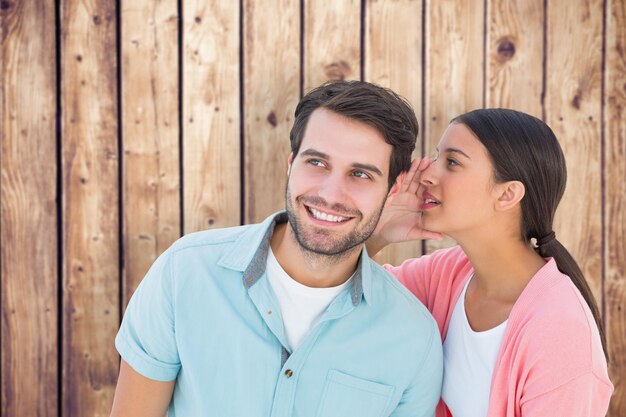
[315, 162]
[361, 174]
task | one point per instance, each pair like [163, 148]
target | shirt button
[288, 373]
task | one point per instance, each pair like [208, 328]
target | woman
[521, 330]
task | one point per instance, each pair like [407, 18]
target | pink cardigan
[550, 361]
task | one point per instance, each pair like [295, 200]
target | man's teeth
[430, 201]
[326, 217]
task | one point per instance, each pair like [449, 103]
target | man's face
[337, 183]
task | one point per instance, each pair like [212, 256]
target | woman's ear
[510, 193]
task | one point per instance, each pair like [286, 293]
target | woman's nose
[428, 177]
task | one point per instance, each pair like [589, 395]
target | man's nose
[333, 190]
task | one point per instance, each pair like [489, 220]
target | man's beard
[323, 242]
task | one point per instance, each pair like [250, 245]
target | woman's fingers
[416, 175]
[407, 179]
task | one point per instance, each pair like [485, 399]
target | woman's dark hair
[368, 103]
[523, 148]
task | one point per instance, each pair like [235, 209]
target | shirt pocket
[348, 396]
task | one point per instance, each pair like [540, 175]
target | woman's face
[459, 187]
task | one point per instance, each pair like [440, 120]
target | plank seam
[181, 155]
[362, 41]
[544, 60]
[302, 51]
[423, 116]
[485, 46]
[120, 165]
[603, 222]
[242, 125]
[59, 205]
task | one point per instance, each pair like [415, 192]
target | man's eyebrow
[368, 167]
[322, 155]
[455, 150]
[313, 152]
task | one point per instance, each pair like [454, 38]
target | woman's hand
[401, 219]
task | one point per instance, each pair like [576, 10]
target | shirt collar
[243, 257]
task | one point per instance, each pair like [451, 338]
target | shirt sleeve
[422, 397]
[146, 339]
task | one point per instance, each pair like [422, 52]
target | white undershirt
[300, 306]
[469, 359]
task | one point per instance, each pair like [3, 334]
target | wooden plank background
[125, 124]
[89, 205]
[28, 223]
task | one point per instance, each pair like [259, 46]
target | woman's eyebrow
[455, 150]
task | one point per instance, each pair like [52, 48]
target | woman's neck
[503, 265]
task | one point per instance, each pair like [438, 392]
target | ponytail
[550, 247]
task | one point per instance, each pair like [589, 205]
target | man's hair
[379, 107]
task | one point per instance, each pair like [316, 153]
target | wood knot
[271, 119]
[506, 49]
[4, 5]
[97, 20]
[337, 70]
[576, 100]
[79, 58]
[198, 19]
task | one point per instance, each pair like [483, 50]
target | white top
[469, 359]
[300, 306]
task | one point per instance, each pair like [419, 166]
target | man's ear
[510, 193]
[289, 162]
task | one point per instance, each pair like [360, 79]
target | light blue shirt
[205, 315]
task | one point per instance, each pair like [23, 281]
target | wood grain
[454, 69]
[573, 110]
[28, 220]
[515, 37]
[271, 92]
[90, 206]
[393, 59]
[150, 132]
[280, 56]
[211, 132]
[332, 45]
[615, 197]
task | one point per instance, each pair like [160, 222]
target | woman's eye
[452, 162]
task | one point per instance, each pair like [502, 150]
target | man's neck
[310, 268]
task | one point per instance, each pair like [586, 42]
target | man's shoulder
[394, 298]
[210, 237]
[214, 243]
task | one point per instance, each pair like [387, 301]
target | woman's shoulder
[551, 298]
[553, 324]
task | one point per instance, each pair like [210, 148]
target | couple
[291, 317]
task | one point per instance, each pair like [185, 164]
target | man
[290, 317]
